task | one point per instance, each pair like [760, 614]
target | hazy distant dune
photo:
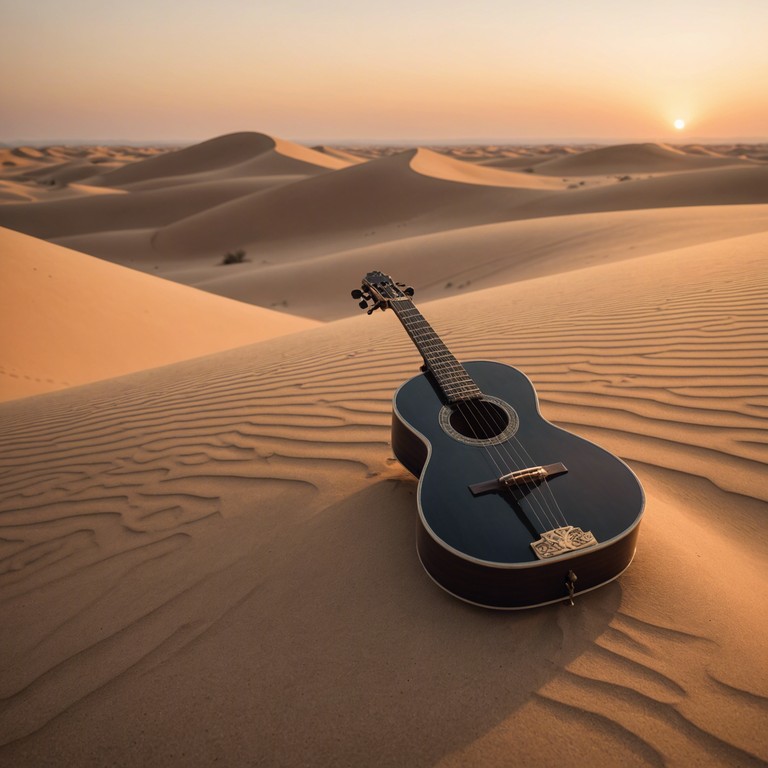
[516, 162]
[629, 158]
[249, 151]
[697, 149]
[719, 186]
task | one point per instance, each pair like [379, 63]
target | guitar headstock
[382, 290]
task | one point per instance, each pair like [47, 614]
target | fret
[454, 381]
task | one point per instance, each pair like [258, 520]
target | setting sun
[679, 123]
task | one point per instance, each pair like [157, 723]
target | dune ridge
[387, 192]
[245, 151]
[439, 262]
[77, 319]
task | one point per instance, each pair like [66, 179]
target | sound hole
[479, 419]
[485, 422]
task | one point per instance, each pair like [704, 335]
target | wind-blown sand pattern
[214, 559]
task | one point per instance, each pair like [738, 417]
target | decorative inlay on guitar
[514, 512]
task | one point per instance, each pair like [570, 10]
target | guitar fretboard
[454, 381]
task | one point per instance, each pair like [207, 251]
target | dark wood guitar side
[513, 512]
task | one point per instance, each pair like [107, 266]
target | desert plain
[206, 544]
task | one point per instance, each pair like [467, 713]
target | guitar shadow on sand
[369, 662]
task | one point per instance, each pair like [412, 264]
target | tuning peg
[408, 291]
[357, 294]
[378, 305]
[364, 305]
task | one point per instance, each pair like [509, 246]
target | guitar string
[474, 411]
[423, 335]
[506, 445]
[531, 486]
[514, 455]
[430, 340]
[522, 457]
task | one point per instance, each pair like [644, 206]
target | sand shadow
[369, 662]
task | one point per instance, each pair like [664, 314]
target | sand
[211, 558]
[73, 319]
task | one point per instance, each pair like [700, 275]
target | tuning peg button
[357, 294]
[408, 291]
[363, 304]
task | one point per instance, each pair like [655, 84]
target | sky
[399, 71]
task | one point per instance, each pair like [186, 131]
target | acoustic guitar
[513, 512]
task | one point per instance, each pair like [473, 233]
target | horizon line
[379, 141]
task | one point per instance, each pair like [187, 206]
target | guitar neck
[455, 383]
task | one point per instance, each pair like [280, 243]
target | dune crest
[235, 153]
[388, 192]
[77, 319]
[439, 166]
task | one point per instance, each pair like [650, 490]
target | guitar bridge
[522, 476]
[530, 475]
[558, 541]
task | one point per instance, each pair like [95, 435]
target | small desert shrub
[234, 257]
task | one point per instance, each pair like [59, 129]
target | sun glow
[679, 123]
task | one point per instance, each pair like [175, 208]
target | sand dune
[348, 157]
[102, 213]
[724, 186]
[393, 192]
[73, 319]
[53, 173]
[236, 561]
[439, 166]
[249, 152]
[459, 261]
[629, 158]
[28, 153]
[391, 198]
[698, 149]
[14, 192]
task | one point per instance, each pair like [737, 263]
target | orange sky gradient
[395, 71]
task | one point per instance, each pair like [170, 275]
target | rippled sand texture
[214, 560]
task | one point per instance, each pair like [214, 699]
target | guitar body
[477, 546]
